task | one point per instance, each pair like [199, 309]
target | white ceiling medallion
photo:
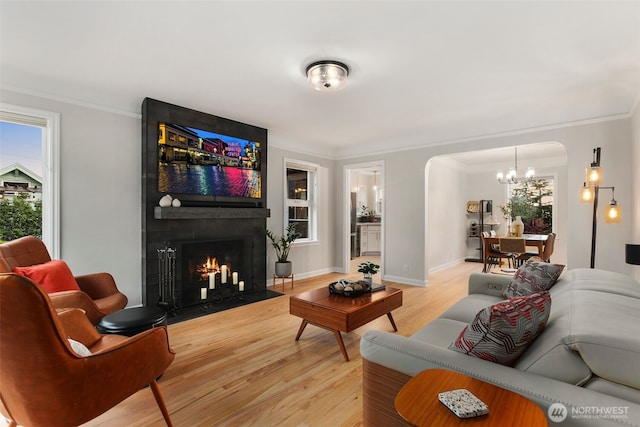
[327, 76]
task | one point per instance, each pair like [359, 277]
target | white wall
[634, 211]
[446, 212]
[407, 240]
[308, 259]
[100, 198]
[101, 195]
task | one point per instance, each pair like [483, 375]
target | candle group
[224, 274]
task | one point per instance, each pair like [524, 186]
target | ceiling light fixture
[327, 76]
[512, 175]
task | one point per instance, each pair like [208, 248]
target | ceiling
[422, 72]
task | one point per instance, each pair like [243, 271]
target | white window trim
[50, 122]
[312, 199]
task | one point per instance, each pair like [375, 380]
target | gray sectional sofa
[587, 357]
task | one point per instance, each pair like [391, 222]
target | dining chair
[513, 247]
[547, 251]
[492, 254]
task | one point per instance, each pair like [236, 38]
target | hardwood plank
[243, 367]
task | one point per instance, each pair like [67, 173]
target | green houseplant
[368, 269]
[282, 246]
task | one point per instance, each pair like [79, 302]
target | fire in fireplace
[215, 270]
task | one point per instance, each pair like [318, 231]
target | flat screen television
[202, 159]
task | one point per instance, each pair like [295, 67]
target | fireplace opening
[215, 270]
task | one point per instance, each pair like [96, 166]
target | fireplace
[206, 241]
[215, 270]
[207, 225]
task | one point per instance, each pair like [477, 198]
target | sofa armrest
[409, 357]
[97, 285]
[488, 284]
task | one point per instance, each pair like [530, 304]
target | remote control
[463, 403]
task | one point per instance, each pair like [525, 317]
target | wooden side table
[283, 279]
[417, 402]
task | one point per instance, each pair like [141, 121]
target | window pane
[20, 180]
[300, 216]
[533, 202]
[297, 181]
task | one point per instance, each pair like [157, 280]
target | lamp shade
[613, 214]
[632, 254]
[594, 175]
[586, 194]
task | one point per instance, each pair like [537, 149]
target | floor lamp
[589, 194]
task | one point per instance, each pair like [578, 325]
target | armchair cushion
[53, 276]
[79, 348]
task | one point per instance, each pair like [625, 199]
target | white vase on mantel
[518, 227]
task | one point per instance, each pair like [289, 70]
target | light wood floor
[242, 367]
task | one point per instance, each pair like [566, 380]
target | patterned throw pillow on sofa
[501, 333]
[533, 277]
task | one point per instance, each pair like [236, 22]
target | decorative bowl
[349, 288]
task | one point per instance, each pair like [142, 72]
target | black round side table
[132, 321]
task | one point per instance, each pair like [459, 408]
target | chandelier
[512, 175]
[327, 75]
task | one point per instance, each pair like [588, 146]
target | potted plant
[282, 246]
[368, 269]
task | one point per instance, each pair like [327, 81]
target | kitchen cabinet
[370, 239]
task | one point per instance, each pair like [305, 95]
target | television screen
[196, 161]
[202, 159]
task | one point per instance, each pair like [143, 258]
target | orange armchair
[99, 294]
[43, 382]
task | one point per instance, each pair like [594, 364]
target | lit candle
[241, 286]
[223, 270]
[203, 293]
[235, 277]
[212, 280]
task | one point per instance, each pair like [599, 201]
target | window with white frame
[301, 195]
[48, 125]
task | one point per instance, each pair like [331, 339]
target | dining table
[534, 240]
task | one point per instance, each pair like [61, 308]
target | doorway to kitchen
[364, 216]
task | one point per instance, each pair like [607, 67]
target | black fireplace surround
[204, 225]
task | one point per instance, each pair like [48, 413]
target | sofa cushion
[604, 331]
[501, 332]
[53, 276]
[533, 277]
[439, 332]
[550, 355]
[465, 310]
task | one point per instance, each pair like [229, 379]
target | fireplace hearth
[216, 254]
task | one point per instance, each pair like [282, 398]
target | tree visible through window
[533, 202]
[20, 180]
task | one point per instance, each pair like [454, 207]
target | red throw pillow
[53, 276]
